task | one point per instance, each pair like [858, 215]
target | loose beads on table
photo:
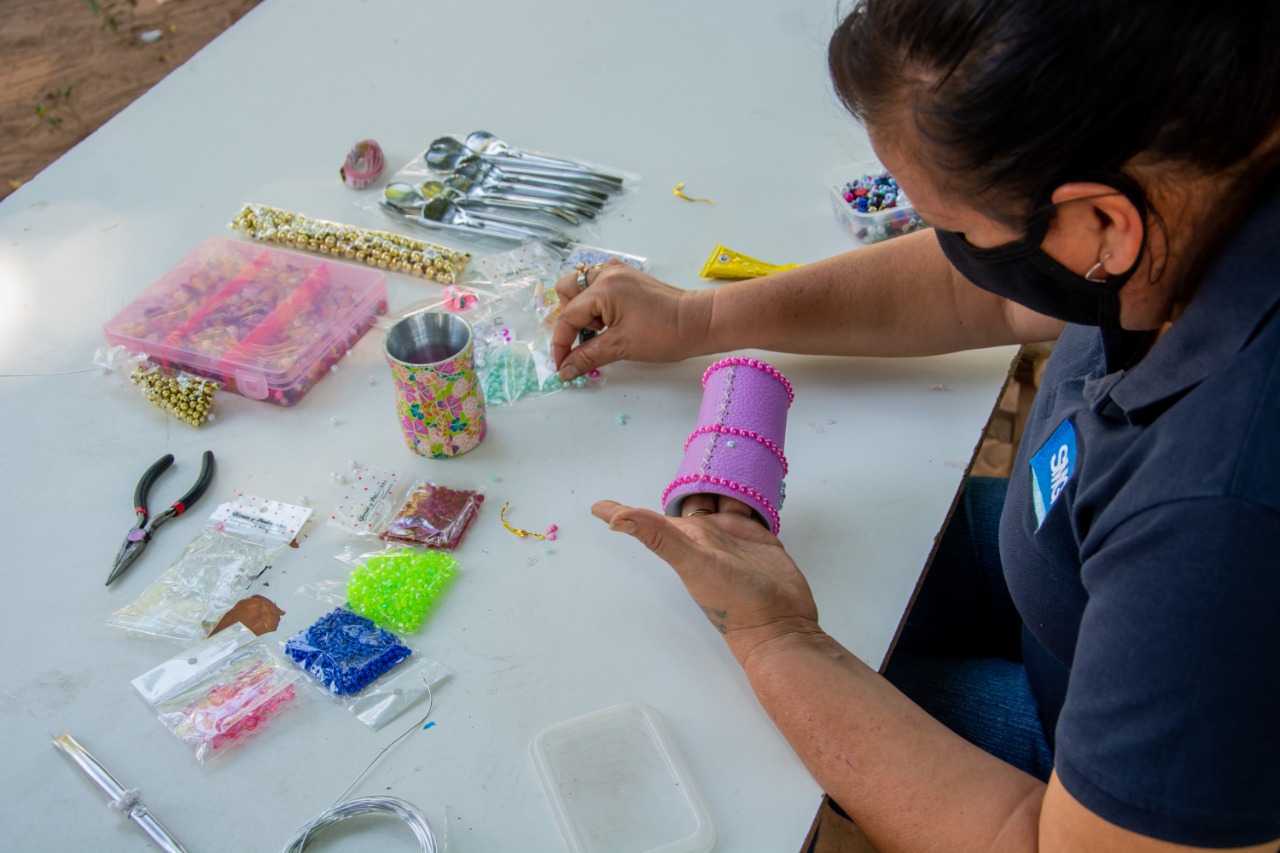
[397, 588]
[345, 651]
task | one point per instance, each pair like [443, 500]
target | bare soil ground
[64, 69]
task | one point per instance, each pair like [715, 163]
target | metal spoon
[484, 142]
[416, 217]
[446, 154]
[442, 210]
[409, 198]
[492, 188]
[475, 196]
[490, 175]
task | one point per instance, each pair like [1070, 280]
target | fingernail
[623, 526]
[569, 373]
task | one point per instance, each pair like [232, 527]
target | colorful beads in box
[396, 588]
[345, 651]
[879, 193]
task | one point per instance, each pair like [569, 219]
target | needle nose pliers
[141, 534]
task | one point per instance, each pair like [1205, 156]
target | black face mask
[1022, 272]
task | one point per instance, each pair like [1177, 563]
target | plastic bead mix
[345, 651]
[876, 208]
[232, 710]
[397, 588]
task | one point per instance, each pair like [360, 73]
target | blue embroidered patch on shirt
[1052, 467]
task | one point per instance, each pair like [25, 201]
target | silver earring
[1093, 269]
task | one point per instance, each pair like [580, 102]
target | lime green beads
[396, 588]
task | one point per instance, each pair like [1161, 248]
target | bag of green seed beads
[396, 587]
[513, 333]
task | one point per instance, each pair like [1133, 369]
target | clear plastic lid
[616, 784]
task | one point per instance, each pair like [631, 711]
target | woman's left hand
[735, 569]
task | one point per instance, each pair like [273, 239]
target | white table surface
[731, 98]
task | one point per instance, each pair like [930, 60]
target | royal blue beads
[345, 651]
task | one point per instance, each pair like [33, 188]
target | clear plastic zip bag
[237, 544]
[219, 692]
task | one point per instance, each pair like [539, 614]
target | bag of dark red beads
[426, 515]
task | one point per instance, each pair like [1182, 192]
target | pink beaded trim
[721, 429]
[713, 480]
[763, 366]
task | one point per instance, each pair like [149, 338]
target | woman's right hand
[642, 319]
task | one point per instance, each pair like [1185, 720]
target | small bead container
[736, 449]
[868, 201]
[345, 651]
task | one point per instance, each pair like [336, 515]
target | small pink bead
[551, 537]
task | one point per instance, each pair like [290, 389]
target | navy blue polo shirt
[1141, 544]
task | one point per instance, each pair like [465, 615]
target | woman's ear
[1102, 216]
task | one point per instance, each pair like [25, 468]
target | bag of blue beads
[345, 651]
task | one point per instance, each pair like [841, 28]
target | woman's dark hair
[1009, 96]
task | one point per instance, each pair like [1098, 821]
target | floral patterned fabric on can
[440, 406]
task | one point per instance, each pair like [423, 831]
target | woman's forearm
[896, 298]
[910, 782]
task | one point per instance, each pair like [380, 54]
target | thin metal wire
[407, 732]
[393, 806]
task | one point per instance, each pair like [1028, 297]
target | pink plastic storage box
[266, 323]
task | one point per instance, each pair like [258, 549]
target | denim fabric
[959, 656]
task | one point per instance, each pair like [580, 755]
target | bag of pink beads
[217, 693]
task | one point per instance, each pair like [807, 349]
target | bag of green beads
[396, 587]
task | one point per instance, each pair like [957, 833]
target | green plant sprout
[59, 105]
[112, 14]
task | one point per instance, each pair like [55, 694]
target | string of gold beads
[382, 249]
[188, 398]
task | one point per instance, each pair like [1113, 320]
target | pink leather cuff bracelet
[736, 450]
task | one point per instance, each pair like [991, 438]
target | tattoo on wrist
[717, 618]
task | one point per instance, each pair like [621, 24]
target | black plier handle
[141, 533]
[179, 506]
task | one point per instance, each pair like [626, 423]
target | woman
[1105, 174]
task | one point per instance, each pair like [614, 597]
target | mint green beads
[396, 588]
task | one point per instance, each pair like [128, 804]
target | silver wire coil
[392, 806]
